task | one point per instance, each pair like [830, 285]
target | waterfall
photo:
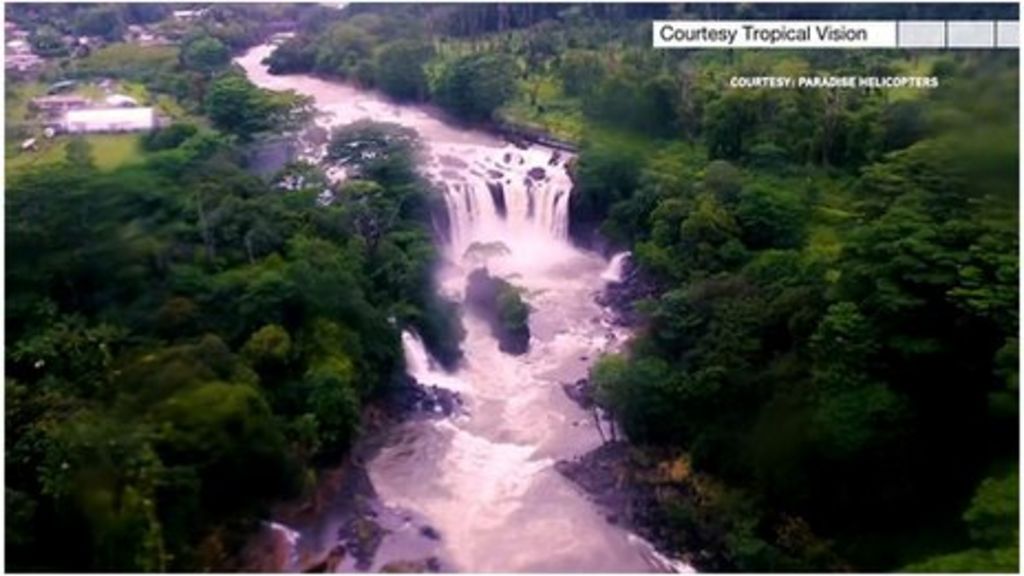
[422, 367]
[616, 268]
[501, 194]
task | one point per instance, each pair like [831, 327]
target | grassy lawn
[17, 99]
[114, 150]
[541, 104]
[49, 152]
[109, 151]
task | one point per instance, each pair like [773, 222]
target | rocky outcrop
[500, 304]
[412, 566]
[635, 487]
[621, 297]
[581, 392]
[498, 197]
[414, 398]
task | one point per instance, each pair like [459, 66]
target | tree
[375, 150]
[236, 106]
[205, 54]
[399, 69]
[102, 21]
[581, 72]
[47, 41]
[992, 521]
[474, 87]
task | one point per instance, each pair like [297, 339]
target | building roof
[59, 100]
[100, 116]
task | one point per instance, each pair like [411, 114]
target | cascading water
[484, 480]
[616, 268]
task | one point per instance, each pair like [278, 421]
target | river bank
[632, 484]
[345, 492]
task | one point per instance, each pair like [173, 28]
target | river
[484, 480]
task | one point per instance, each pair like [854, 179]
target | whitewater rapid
[485, 479]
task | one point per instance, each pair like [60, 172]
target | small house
[188, 15]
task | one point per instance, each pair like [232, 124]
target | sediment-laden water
[478, 490]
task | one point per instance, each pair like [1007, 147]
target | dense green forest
[187, 343]
[831, 346]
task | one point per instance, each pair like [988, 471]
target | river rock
[411, 398]
[498, 198]
[330, 561]
[581, 392]
[431, 564]
[362, 536]
[621, 297]
[430, 532]
[492, 298]
[451, 161]
[537, 173]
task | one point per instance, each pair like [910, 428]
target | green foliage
[205, 54]
[191, 341]
[992, 520]
[47, 41]
[502, 306]
[102, 21]
[238, 107]
[791, 371]
[375, 150]
[473, 87]
[581, 72]
[170, 137]
[400, 71]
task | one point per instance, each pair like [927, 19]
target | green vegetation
[502, 306]
[836, 279]
[238, 107]
[186, 343]
[189, 343]
[108, 151]
[473, 87]
[392, 52]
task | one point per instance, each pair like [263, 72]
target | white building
[188, 15]
[109, 120]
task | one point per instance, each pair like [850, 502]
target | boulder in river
[413, 398]
[412, 566]
[502, 306]
[581, 392]
[430, 532]
[362, 536]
